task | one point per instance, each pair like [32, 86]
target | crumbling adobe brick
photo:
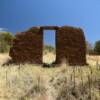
[70, 45]
[27, 46]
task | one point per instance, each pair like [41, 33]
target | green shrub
[6, 39]
[97, 47]
[49, 48]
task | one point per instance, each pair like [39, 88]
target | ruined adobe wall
[71, 46]
[27, 46]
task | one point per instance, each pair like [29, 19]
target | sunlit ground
[31, 82]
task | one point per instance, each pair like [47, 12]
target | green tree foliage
[48, 48]
[97, 47]
[5, 41]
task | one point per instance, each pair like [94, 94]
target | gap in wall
[49, 46]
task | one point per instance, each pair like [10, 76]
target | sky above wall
[19, 15]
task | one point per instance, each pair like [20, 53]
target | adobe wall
[27, 46]
[70, 45]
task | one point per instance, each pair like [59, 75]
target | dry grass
[32, 82]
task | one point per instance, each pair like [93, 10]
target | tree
[6, 39]
[89, 48]
[49, 48]
[97, 47]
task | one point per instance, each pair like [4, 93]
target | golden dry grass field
[33, 82]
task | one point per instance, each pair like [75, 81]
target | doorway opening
[49, 46]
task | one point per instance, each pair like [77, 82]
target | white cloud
[3, 29]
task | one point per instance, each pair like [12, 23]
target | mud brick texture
[27, 46]
[70, 45]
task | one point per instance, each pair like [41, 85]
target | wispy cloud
[3, 29]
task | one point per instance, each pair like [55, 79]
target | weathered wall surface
[70, 45]
[27, 47]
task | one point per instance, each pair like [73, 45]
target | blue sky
[19, 15]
